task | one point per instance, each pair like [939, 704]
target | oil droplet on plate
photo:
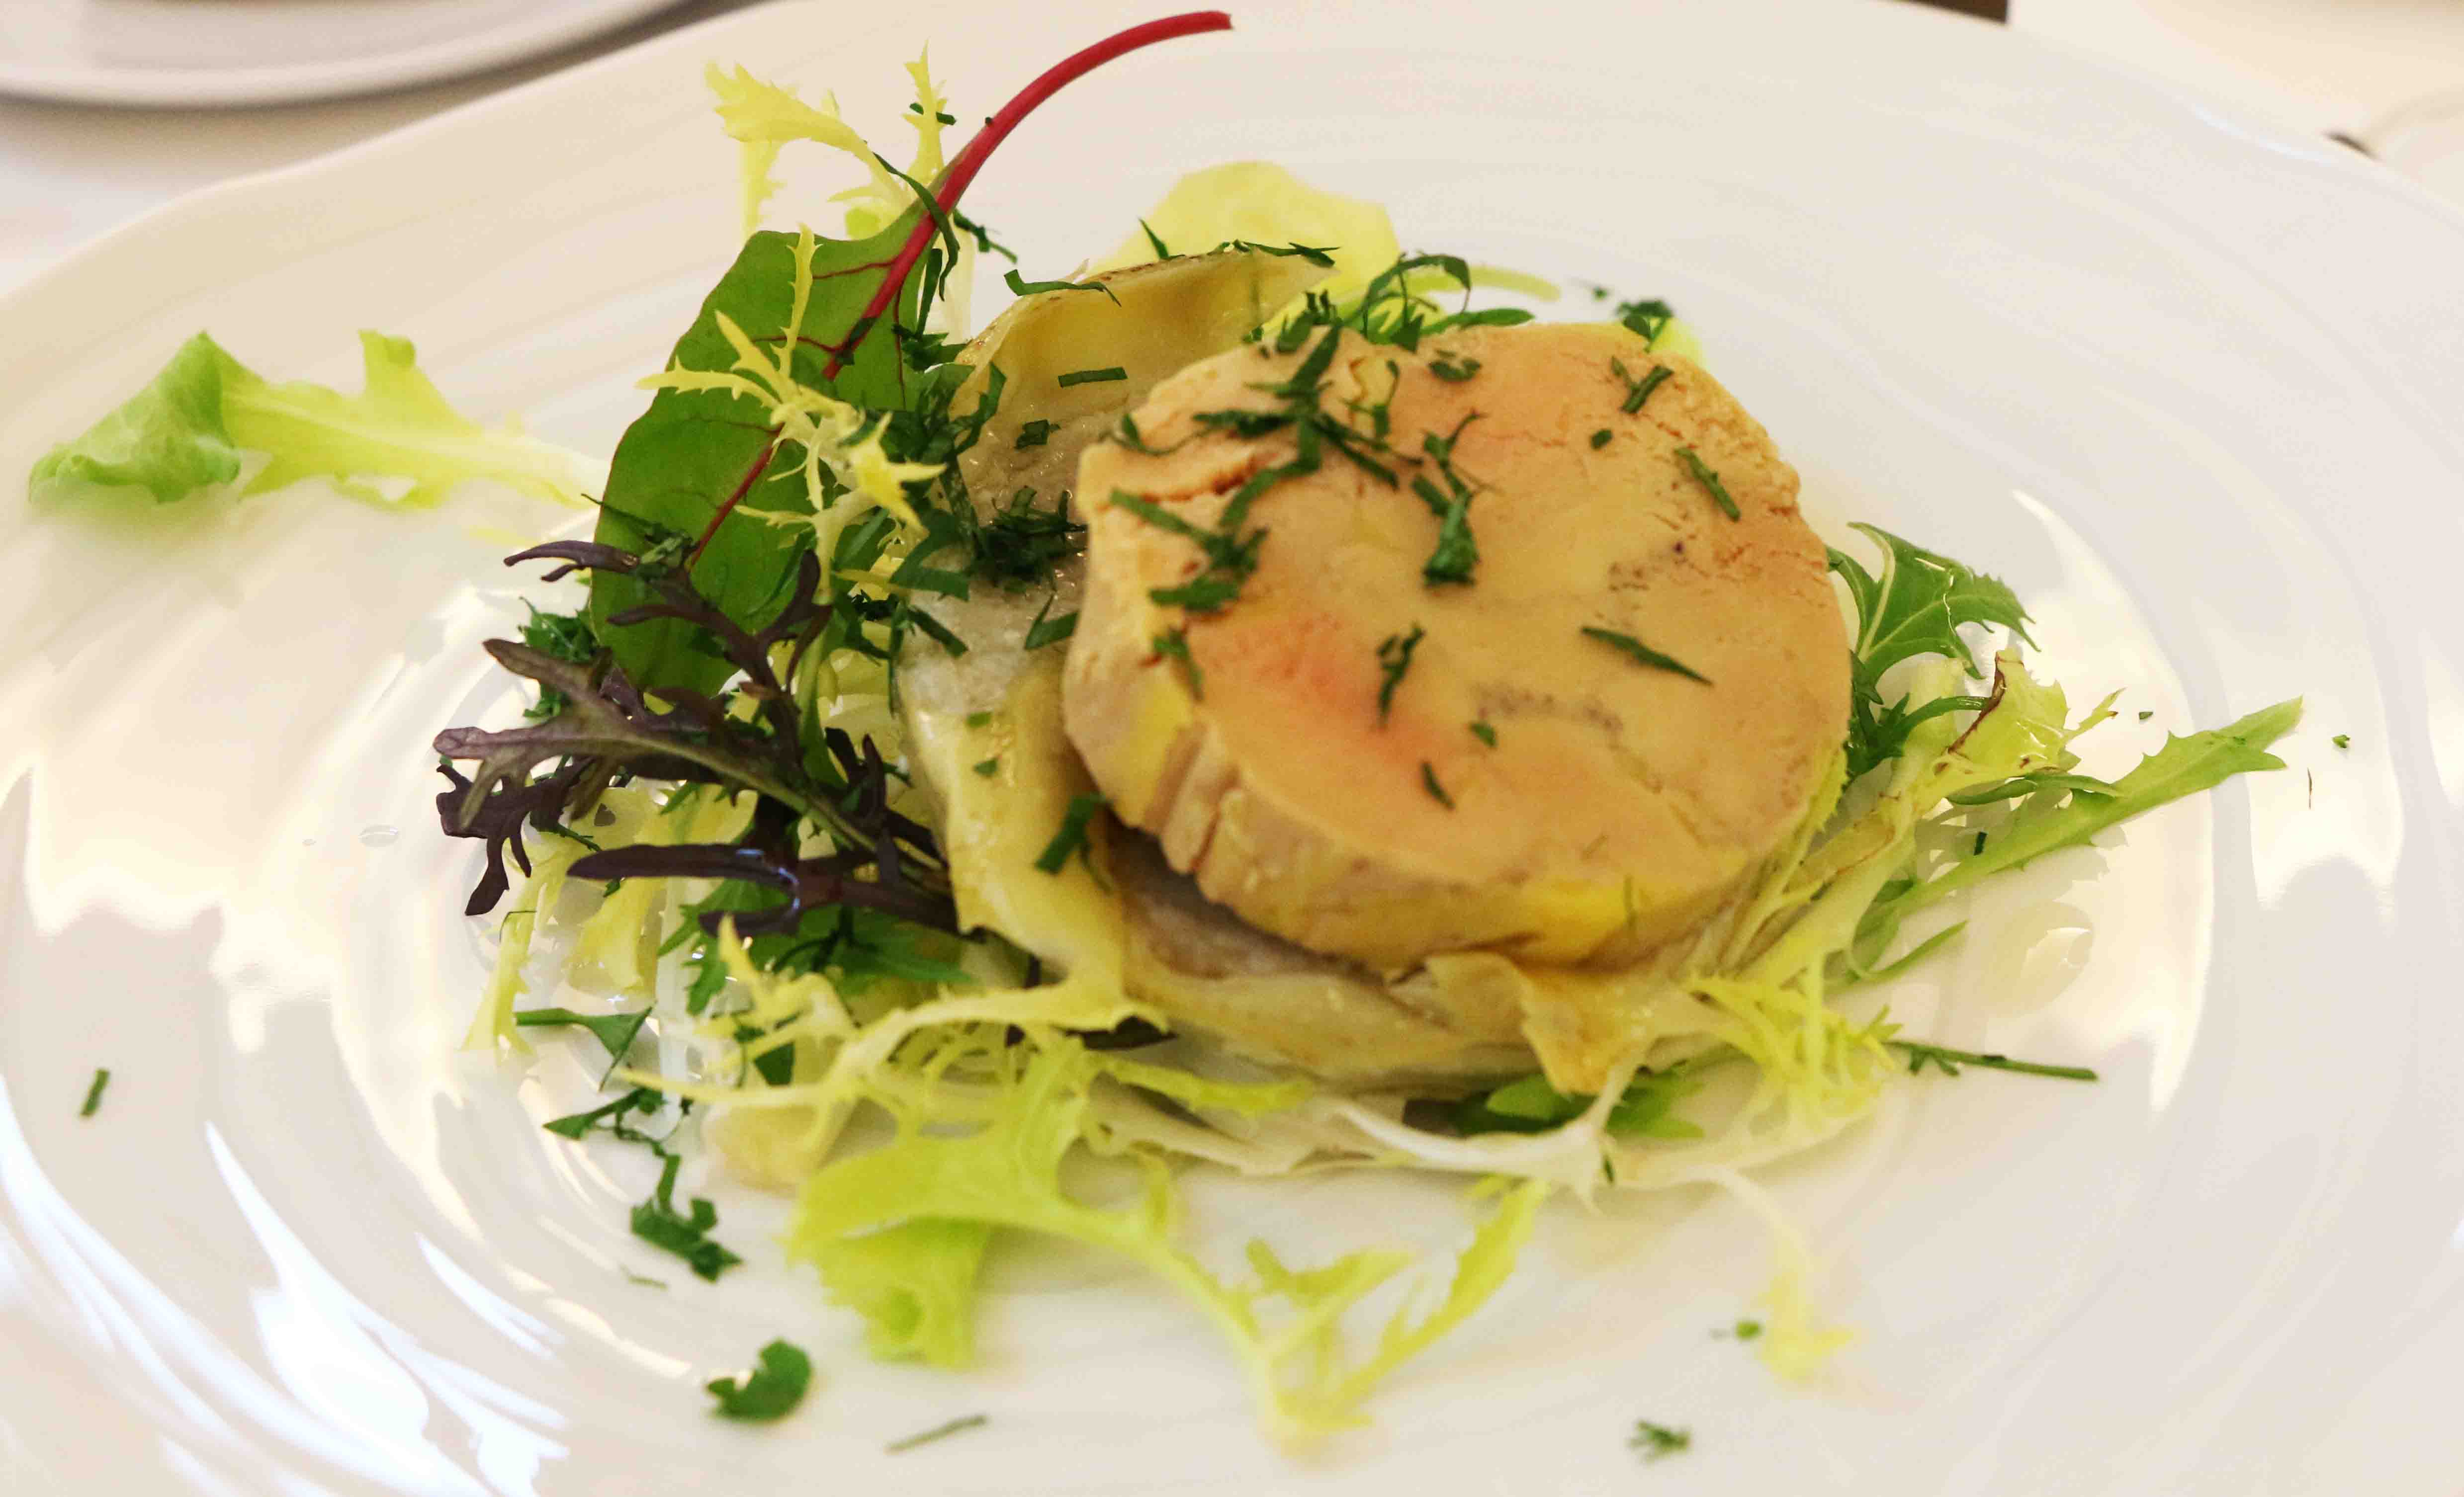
[379, 836]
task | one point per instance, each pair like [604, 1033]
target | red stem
[961, 172]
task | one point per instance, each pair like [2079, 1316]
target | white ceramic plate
[2189, 385]
[260, 52]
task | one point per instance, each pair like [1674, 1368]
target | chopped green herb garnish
[1436, 791]
[1948, 1061]
[642, 1279]
[614, 1031]
[564, 636]
[1644, 654]
[1125, 434]
[1637, 391]
[1106, 375]
[1205, 594]
[1071, 838]
[2342, 740]
[987, 768]
[1457, 551]
[1027, 288]
[1154, 241]
[1445, 366]
[1321, 256]
[1710, 480]
[686, 1234]
[93, 1092]
[1657, 1442]
[770, 1390]
[1649, 318]
[1034, 434]
[972, 1420]
[1484, 733]
[1917, 606]
[641, 1099]
[1050, 631]
[979, 719]
[1978, 850]
[1602, 437]
[2145, 716]
[1173, 644]
[1393, 659]
[1748, 1330]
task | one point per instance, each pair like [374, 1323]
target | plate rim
[501, 45]
[239, 191]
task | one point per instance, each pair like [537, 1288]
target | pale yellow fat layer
[1620, 804]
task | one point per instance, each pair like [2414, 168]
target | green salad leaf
[192, 427]
[703, 441]
[1916, 606]
[914, 1283]
[2063, 815]
[1008, 1175]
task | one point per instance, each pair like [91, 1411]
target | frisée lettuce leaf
[894, 1231]
[194, 424]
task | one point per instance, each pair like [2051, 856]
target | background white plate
[2188, 383]
[257, 51]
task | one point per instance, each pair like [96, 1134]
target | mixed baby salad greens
[711, 808]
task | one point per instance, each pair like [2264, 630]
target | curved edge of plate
[175, 88]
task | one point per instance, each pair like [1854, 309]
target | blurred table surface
[2389, 73]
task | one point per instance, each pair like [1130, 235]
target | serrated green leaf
[1916, 606]
[684, 456]
[2183, 766]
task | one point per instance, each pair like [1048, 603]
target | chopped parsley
[1948, 1061]
[1484, 733]
[1230, 557]
[1649, 317]
[770, 1391]
[1978, 851]
[1071, 838]
[93, 1092]
[1126, 434]
[970, 1421]
[1034, 434]
[1046, 631]
[1173, 644]
[656, 1221]
[1446, 367]
[1436, 791]
[686, 1234]
[1027, 288]
[564, 636]
[614, 1031]
[987, 768]
[1104, 376]
[1320, 255]
[2145, 716]
[2342, 740]
[1711, 481]
[1637, 391]
[1393, 659]
[1644, 654]
[1457, 552]
[1658, 1441]
[1602, 437]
